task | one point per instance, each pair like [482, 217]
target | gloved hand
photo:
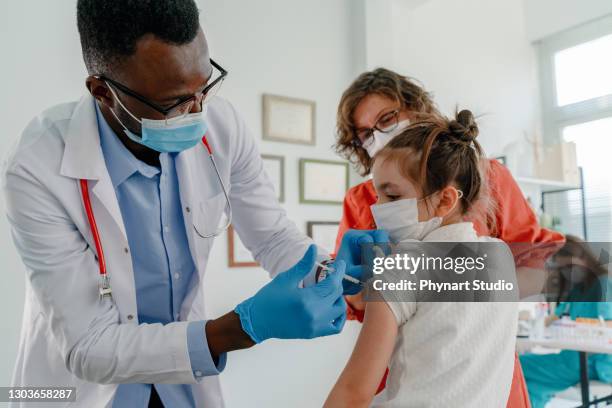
[350, 253]
[283, 310]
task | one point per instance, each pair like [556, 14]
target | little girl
[439, 354]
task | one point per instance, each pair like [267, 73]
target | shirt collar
[120, 162]
[461, 231]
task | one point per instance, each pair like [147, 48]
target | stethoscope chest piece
[104, 287]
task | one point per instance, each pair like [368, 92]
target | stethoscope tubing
[91, 219]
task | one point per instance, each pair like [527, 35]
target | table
[583, 347]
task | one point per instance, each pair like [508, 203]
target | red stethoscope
[104, 284]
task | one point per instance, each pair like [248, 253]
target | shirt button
[126, 250]
[130, 317]
[198, 373]
[166, 228]
[187, 209]
[177, 275]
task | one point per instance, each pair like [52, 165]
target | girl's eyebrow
[386, 185]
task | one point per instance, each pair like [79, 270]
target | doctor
[114, 203]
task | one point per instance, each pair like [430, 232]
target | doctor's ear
[99, 90]
[448, 198]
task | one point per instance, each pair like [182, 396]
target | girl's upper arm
[370, 358]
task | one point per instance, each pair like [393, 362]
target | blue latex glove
[350, 253]
[283, 310]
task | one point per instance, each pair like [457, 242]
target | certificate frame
[235, 251]
[280, 189]
[313, 194]
[289, 120]
[318, 230]
[502, 159]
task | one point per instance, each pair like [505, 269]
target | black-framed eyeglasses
[184, 105]
[386, 123]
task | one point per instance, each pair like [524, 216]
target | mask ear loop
[427, 202]
[125, 128]
[459, 196]
[122, 106]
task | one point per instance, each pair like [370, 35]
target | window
[576, 84]
[593, 149]
[582, 72]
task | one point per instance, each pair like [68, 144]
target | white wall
[546, 17]
[41, 66]
[302, 49]
[378, 27]
[472, 54]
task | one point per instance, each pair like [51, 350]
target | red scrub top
[515, 222]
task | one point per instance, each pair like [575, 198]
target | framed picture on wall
[323, 233]
[237, 254]
[289, 120]
[323, 181]
[275, 168]
[502, 159]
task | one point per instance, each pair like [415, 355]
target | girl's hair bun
[464, 126]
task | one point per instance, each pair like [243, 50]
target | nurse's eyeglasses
[387, 123]
[184, 105]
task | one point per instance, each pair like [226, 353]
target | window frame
[554, 117]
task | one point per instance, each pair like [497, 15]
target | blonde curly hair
[382, 81]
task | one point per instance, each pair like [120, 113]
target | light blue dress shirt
[151, 209]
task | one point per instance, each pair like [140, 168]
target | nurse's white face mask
[380, 138]
[400, 219]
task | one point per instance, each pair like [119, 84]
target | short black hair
[110, 29]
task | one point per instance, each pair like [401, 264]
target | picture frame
[323, 181]
[323, 233]
[275, 168]
[238, 255]
[502, 159]
[288, 120]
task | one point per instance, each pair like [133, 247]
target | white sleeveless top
[450, 354]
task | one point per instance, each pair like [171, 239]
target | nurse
[114, 202]
[377, 106]
[549, 374]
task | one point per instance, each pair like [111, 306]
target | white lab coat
[69, 337]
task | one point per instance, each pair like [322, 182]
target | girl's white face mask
[401, 220]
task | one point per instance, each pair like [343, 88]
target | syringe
[347, 278]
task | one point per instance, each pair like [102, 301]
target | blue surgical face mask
[167, 135]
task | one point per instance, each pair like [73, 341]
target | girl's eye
[392, 197]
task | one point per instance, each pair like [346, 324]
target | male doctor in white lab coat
[135, 140]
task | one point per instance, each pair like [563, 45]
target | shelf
[547, 185]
